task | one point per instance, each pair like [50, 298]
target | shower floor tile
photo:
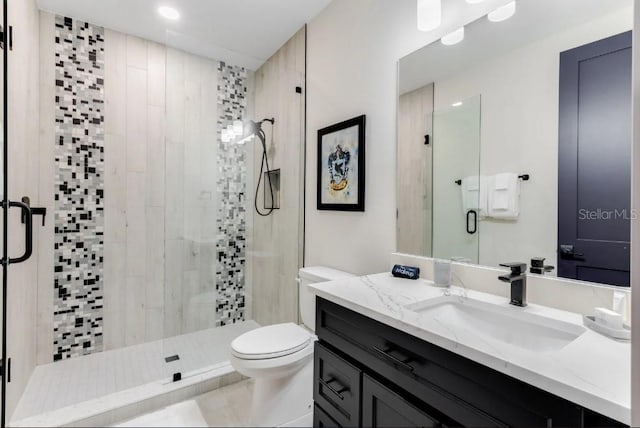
[69, 382]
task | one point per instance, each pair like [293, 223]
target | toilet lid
[270, 342]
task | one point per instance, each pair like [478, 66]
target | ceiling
[241, 32]
[534, 20]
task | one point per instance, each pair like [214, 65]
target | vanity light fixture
[429, 14]
[169, 13]
[453, 38]
[503, 13]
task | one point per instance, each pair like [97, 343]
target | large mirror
[515, 143]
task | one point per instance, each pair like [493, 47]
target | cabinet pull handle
[393, 359]
[338, 393]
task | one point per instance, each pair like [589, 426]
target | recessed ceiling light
[453, 38]
[169, 13]
[456, 104]
[429, 14]
[503, 13]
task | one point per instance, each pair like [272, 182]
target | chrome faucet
[518, 280]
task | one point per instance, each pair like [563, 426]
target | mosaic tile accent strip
[79, 188]
[232, 191]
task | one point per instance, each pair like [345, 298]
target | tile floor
[65, 383]
[224, 407]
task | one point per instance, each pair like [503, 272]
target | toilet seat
[269, 342]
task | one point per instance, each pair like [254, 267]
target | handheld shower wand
[264, 162]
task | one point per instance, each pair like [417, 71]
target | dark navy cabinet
[367, 374]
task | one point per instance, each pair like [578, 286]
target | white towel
[474, 195]
[504, 196]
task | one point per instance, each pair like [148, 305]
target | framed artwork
[341, 166]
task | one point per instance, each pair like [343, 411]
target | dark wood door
[382, 407]
[594, 173]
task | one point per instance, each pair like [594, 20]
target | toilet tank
[314, 275]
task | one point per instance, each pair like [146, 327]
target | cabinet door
[382, 407]
[322, 420]
[336, 386]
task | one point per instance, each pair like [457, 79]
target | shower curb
[125, 405]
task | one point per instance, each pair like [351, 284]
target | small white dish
[623, 334]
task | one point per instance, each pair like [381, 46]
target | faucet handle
[517, 268]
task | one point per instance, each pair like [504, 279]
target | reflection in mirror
[555, 108]
[456, 164]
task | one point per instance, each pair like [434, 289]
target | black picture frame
[326, 185]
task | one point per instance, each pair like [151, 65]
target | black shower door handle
[27, 215]
[475, 222]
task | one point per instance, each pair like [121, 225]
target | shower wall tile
[154, 324]
[115, 190]
[136, 118]
[136, 225]
[46, 169]
[155, 258]
[115, 68]
[174, 189]
[156, 156]
[175, 95]
[137, 52]
[173, 286]
[135, 316]
[231, 195]
[115, 264]
[79, 181]
[115, 177]
[157, 60]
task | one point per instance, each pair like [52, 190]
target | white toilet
[280, 359]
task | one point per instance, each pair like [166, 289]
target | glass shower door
[457, 207]
[4, 197]
[205, 210]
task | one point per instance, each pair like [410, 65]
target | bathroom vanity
[395, 352]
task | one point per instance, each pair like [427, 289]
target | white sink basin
[506, 324]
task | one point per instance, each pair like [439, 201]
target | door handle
[475, 222]
[393, 359]
[27, 215]
[567, 252]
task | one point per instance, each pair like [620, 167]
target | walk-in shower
[155, 253]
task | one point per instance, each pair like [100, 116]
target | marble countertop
[593, 371]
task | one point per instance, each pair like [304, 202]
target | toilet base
[279, 401]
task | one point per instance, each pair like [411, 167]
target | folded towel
[474, 195]
[504, 196]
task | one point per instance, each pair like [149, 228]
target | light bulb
[169, 13]
[453, 38]
[429, 14]
[503, 13]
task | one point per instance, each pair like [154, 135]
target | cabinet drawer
[472, 394]
[382, 407]
[336, 388]
[322, 420]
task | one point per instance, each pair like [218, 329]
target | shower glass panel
[456, 181]
[207, 212]
[3, 176]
